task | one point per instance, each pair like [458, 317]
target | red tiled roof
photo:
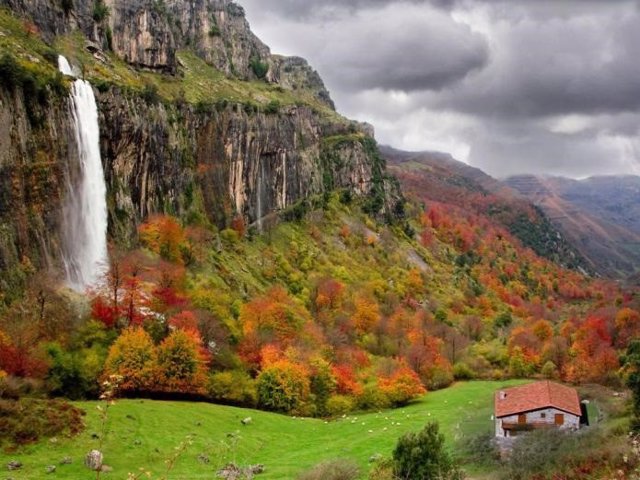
[535, 396]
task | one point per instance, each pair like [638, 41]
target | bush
[382, 470]
[462, 371]
[272, 108]
[332, 470]
[339, 405]
[150, 94]
[536, 453]
[283, 387]
[235, 387]
[373, 399]
[29, 420]
[214, 31]
[481, 450]
[423, 456]
[260, 69]
[100, 11]
[74, 375]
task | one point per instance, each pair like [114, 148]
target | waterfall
[260, 194]
[85, 212]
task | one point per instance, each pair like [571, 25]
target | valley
[189, 228]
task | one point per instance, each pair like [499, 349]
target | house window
[543, 415]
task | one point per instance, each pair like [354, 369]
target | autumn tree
[162, 234]
[283, 387]
[133, 357]
[401, 386]
[182, 363]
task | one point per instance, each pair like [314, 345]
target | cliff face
[148, 33]
[224, 162]
[209, 160]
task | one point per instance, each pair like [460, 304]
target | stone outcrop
[148, 33]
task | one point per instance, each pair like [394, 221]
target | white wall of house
[544, 415]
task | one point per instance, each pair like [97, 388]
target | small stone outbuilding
[536, 405]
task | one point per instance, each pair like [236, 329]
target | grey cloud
[511, 86]
[578, 65]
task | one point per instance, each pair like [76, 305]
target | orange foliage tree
[401, 386]
[162, 234]
[182, 363]
[133, 357]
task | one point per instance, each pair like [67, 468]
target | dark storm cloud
[544, 86]
[555, 67]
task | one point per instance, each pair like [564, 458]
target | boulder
[93, 460]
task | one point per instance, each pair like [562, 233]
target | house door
[559, 417]
[522, 419]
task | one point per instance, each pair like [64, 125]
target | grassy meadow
[145, 433]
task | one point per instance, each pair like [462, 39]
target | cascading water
[85, 212]
[260, 191]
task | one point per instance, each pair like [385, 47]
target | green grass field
[144, 433]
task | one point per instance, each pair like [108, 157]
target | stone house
[536, 405]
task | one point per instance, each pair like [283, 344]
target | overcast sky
[510, 86]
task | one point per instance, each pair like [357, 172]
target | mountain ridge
[598, 214]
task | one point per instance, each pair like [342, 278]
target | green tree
[423, 456]
[632, 368]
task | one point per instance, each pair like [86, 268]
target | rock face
[148, 33]
[205, 163]
[33, 172]
[229, 161]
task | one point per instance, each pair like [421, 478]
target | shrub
[339, 405]
[462, 371]
[235, 387]
[150, 94]
[481, 449]
[373, 399]
[214, 31]
[100, 11]
[550, 371]
[29, 420]
[74, 374]
[423, 456]
[332, 470]
[536, 453]
[272, 108]
[401, 387]
[382, 470]
[283, 387]
[260, 69]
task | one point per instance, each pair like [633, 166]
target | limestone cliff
[243, 132]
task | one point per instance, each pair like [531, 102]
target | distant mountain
[438, 177]
[600, 216]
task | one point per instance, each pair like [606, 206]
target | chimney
[502, 395]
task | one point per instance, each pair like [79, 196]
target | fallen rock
[14, 465]
[93, 460]
[246, 421]
[50, 469]
[65, 461]
[106, 469]
[233, 472]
